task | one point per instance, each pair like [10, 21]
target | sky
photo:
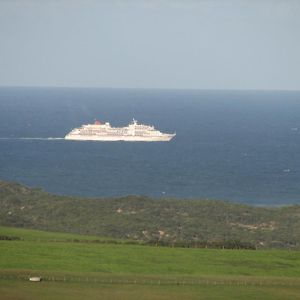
[188, 44]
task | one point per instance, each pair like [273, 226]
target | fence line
[161, 281]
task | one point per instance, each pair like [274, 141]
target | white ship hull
[134, 132]
[165, 138]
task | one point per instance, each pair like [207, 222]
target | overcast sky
[217, 44]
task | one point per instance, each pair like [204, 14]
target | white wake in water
[31, 138]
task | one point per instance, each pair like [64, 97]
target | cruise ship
[133, 132]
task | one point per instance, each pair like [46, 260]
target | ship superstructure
[133, 132]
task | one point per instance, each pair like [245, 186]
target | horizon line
[149, 88]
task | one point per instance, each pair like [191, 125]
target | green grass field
[77, 270]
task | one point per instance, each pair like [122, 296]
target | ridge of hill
[171, 222]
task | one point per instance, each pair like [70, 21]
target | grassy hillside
[189, 223]
[36, 250]
[78, 270]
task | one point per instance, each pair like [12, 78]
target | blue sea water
[230, 145]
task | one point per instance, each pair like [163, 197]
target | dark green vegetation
[170, 222]
[87, 270]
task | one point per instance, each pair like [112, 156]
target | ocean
[240, 146]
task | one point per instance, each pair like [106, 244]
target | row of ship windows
[113, 132]
[116, 133]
